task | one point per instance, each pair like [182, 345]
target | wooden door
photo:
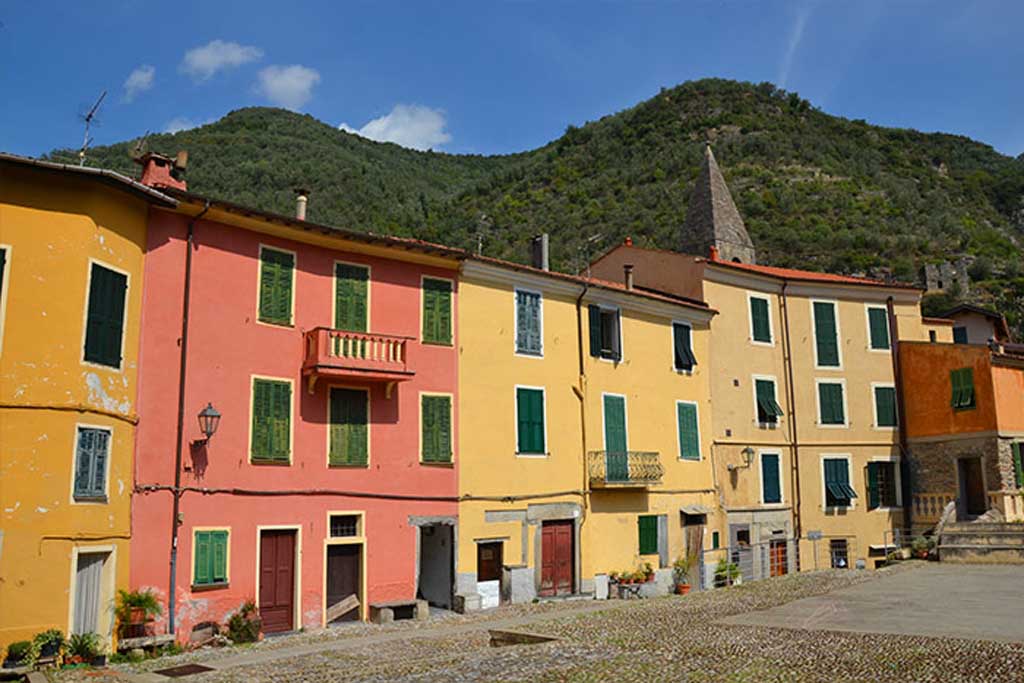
[277, 580]
[343, 581]
[616, 457]
[556, 576]
[488, 561]
[974, 486]
[777, 558]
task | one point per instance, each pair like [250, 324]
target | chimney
[539, 252]
[713, 253]
[160, 171]
[627, 270]
[301, 200]
[628, 241]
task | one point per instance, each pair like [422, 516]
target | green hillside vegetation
[817, 191]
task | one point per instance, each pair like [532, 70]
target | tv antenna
[484, 225]
[86, 140]
[583, 251]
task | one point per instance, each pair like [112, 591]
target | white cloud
[139, 80]
[288, 86]
[408, 125]
[180, 123]
[201, 63]
[795, 36]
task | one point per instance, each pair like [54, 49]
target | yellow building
[71, 251]
[583, 419]
[805, 435]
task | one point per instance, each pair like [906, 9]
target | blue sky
[489, 77]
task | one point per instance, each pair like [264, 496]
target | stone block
[601, 586]
[521, 585]
[467, 602]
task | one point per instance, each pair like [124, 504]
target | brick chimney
[163, 172]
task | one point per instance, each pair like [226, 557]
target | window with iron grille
[882, 485]
[839, 550]
[343, 526]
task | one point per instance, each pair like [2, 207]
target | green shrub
[19, 651]
[85, 645]
[244, 625]
[131, 600]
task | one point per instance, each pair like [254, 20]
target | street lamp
[748, 459]
[209, 419]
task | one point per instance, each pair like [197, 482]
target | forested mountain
[816, 191]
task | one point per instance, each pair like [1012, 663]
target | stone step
[982, 554]
[1008, 538]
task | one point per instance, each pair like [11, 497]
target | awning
[695, 510]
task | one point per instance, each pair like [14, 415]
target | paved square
[981, 602]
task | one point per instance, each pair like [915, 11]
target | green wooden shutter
[878, 322]
[530, 413]
[770, 478]
[689, 435]
[105, 316]
[768, 409]
[202, 558]
[594, 316]
[271, 420]
[830, 396]
[615, 424]
[349, 429]
[350, 297]
[282, 412]
[276, 270]
[219, 556]
[759, 317]
[436, 429]
[647, 527]
[1018, 463]
[874, 493]
[825, 334]
[682, 347]
[437, 313]
[959, 335]
[260, 419]
[885, 406]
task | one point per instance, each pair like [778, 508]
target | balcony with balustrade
[624, 469]
[361, 356]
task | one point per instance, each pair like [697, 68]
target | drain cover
[183, 670]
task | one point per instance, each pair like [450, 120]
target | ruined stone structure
[940, 277]
[712, 219]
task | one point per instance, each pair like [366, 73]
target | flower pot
[10, 664]
[49, 650]
[98, 660]
[682, 588]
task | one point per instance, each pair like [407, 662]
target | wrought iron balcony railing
[624, 469]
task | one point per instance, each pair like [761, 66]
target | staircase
[982, 542]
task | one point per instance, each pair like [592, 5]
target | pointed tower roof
[712, 219]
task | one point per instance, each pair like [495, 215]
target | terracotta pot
[682, 588]
[137, 616]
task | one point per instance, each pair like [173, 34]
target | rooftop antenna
[86, 140]
[484, 224]
[583, 251]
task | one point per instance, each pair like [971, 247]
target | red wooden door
[556, 575]
[277, 580]
[778, 562]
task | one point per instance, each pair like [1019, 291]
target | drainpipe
[906, 487]
[580, 392]
[176, 508]
[794, 436]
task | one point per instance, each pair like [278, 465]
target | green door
[616, 457]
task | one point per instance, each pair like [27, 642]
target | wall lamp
[209, 420]
[748, 459]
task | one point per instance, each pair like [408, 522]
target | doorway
[741, 553]
[972, 487]
[437, 564]
[344, 582]
[777, 560]
[88, 592]
[277, 579]
[557, 551]
[489, 560]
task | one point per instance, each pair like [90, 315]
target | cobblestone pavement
[664, 639]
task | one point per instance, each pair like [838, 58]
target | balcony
[339, 354]
[624, 469]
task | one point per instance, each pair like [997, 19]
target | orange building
[965, 433]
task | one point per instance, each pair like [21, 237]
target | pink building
[330, 356]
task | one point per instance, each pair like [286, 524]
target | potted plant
[681, 574]
[244, 625]
[920, 547]
[726, 573]
[87, 648]
[648, 572]
[17, 654]
[134, 609]
[48, 643]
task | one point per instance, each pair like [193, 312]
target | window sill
[272, 463]
[529, 354]
[203, 587]
[535, 456]
[349, 465]
[432, 463]
[91, 499]
[688, 458]
[891, 508]
[761, 342]
[822, 425]
[683, 371]
[276, 323]
[838, 508]
[767, 425]
[430, 342]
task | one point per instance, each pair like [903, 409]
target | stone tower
[712, 219]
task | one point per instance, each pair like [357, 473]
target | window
[271, 420]
[715, 540]
[349, 419]
[959, 335]
[768, 409]
[351, 297]
[838, 492]
[830, 404]
[826, 334]
[437, 311]
[210, 555]
[344, 526]
[436, 421]
[682, 347]
[839, 553]
[771, 479]
[882, 487]
[5, 258]
[605, 337]
[647, 526]
[1017, 451]
[615, 437]
[878, 328]
[277, 271]
[962, 381]
[689, 431]
[932, 337]
[530, 421]
[92, 453]
[529, 339]
[885, 406]
[104, 323]
[760, 320]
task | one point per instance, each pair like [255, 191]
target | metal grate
[344, 525]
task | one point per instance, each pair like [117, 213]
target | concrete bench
[144, 642]
[386, 612]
